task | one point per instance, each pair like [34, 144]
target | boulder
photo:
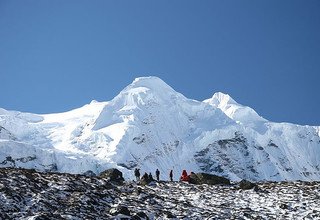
[284, 206]
[170, 215]
[194, 179]
[114, 175]
[145, 180]
[89, 173]
[210, 179]
[245, 184]
[140, 216]
[120, 210]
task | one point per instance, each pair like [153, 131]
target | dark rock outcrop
[145, 179]
[89, 173]
[245, 184]
[210, 179]
[120, 210]
[113, 175]
[140, 216]
[284, 206]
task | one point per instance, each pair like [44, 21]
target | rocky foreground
[27, 194]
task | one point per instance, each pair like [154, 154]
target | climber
[158, 175]
[171, 175]
[150, 177]
[137, 174]
[184, 176]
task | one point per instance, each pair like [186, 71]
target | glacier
[149, 125]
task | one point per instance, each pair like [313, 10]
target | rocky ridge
[27, 194]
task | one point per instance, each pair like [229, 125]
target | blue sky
[59, 55]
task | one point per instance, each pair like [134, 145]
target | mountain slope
[27, 194]
[149, 125]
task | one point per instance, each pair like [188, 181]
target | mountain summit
[149, 125]
[243, 114]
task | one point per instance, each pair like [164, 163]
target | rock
[51, 167]
[114, 175]
[73, 196]
[120, 210]
[284, 206]
[245, 184]
[43, 216]
[89, 173]
[210, 179]
[194, 179]
[170, 215]
[137, 191]
[145, 180]
[140, 216]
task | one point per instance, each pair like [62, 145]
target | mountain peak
[220, 99]
[148, 80]
[145, 89]
[236, 111]
[149, 83]
[143, 93]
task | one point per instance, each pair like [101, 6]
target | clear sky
[59, 55]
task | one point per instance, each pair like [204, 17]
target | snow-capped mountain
[149, 125]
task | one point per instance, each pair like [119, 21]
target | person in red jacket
[184, 176]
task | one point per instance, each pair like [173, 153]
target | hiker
[184, 176]
[171, 175]
[137, 174]
[158, 175]
[150, 177]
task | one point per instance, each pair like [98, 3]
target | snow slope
[149, 125]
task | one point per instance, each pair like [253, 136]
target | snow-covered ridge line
[149, 125]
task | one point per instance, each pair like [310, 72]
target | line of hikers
[184, 175]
